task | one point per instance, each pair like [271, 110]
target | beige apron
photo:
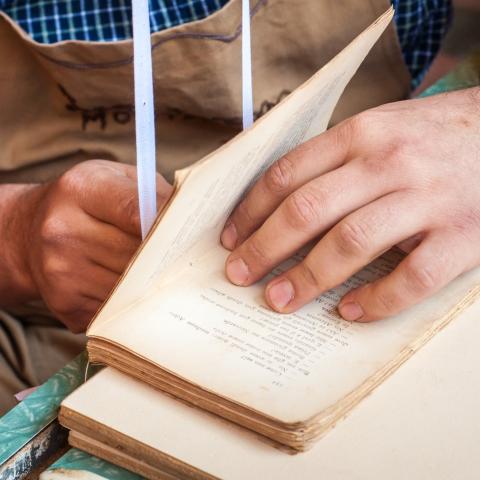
[72, 101]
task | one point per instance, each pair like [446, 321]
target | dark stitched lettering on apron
[121, 114]
[81, 93]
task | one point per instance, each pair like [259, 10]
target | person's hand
[404, 172]
[79, 232]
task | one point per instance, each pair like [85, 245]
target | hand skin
[68, 241]
[404, 173]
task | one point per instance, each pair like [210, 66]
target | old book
[422, 423]
[130, 424]
[176, 323]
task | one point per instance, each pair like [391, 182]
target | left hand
[403, 172]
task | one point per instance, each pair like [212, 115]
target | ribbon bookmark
[247, 89]
[144, 115]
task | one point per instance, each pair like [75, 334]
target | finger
[304, 215]
[164, 189]
[345, 249]
[96, 282]
[113, 198]
[432, 265]
[111, 248]
[80, 235]
[316, 157]
[78, 319]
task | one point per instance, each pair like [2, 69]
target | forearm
[16, 284]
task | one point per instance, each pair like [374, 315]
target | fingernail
[351, 311]
[229, 236]
[280, 294]
[237, 272]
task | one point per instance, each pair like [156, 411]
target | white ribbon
[247, 89]
[144, 106]
[144, 115]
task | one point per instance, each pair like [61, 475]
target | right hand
[80, 232]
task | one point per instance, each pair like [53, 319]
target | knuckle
[466, 224]
[421, 278]
[85, 174]
[53, 231]
[280, 176]
[387, 301]
[379, 165]
[367, 128]
[124, 245]
[395, 162]
[352, 239]
[71, 181]
[341, 135]
[309, 275]
[244, 214]
[400, 162]
[257, 253]
[129, 207]
[301, 209]
[54, 266]
[389, 161]
[362, 122]
[98, 166]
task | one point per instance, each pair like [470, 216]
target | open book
[420, 424]
[176, 323]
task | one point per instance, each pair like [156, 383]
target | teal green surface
[466, 75]
[22, 423]
[77, 460]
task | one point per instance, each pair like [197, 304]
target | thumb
[113, 197]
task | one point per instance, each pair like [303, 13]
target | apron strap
[144, 115]
[247, 89]
[144, 104]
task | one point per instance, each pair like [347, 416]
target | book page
[286, 366]
[176, 309]
[193, 222]
[420, 424]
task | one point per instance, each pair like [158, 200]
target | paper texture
[289, 367]
[421, 423]
[176, 310]
[192, 224]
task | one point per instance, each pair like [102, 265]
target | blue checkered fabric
[50, 21]
[421, 27]
[421, 24]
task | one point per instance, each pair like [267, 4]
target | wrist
[17, 210]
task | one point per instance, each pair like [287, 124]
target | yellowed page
[422, 423]
[289, 367]
[189, 320]
[193, 222]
